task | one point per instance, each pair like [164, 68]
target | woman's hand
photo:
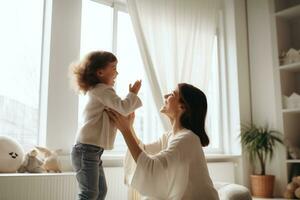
[122, 123]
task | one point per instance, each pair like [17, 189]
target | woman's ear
[181, 107]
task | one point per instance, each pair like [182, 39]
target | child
[95, 77]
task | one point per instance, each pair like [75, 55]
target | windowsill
[36, 174]
[221, 157]
[113, 160]
[117, 160]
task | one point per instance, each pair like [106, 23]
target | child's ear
[99, 73]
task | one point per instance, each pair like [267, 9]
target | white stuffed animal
[31, 163]
[11, 155]
[51, 161]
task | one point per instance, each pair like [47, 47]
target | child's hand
[136, 87]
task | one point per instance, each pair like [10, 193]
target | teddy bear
[293, 189]
[31, 163]
[51, 161]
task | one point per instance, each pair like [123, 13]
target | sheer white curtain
[175, 39]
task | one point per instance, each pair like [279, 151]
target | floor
[254, 198]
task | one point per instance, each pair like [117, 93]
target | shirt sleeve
[124, 106]
[129, 162]
[155, 147]
[164, 175]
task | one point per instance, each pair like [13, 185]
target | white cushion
[231, 191]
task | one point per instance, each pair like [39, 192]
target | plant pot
[262, 186]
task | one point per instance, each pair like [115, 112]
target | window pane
[130, 68]
[96, 27]
[213, 122]
[96, 34]
[21, 40]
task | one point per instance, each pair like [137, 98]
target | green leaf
[259, 141]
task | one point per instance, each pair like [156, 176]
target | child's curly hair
[84, 74]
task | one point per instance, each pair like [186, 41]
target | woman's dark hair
[193, 118]
[85, 72]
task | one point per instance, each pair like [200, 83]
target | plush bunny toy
[31, 163]
[51, 162]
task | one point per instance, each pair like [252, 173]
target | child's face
[108, 74]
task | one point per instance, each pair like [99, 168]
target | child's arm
[136, 87]
[124, 106]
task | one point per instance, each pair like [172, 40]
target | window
[213, 120]
[98, 34]
[20, 49]
[147, 124]
[109, 28]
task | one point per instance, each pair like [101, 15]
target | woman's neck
[176, 126]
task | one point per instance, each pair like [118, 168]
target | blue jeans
[87, 163]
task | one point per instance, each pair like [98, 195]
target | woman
[173, 167]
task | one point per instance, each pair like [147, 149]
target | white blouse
[97, 129]
[173, 168]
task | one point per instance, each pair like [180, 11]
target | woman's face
[172, 107]
[108, 74]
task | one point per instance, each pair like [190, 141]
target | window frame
[41, 138]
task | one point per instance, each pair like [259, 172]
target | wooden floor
[254, 198]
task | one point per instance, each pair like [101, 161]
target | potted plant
[259, 144]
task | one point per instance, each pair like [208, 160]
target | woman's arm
[132, 143]
[150, 148]
[126, 127]
[124, 124]
[168, 168]
[131, 118]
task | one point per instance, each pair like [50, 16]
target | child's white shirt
[97, 129]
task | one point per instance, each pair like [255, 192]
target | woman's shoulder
[186, 134]
[186, 143]
[185, 137]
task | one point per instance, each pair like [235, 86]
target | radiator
[61, 186]
[222, 171]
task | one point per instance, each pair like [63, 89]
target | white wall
[251, 77]
[263, 79]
